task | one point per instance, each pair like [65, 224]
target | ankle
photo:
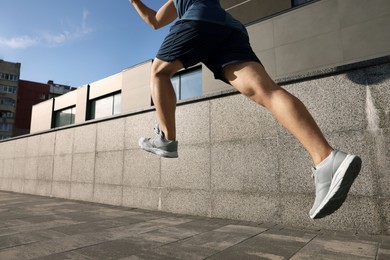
[168, 135]
[319, 158]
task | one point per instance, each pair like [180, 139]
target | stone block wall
[235, 161]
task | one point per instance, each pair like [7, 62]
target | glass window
[188, 84]
[6, 114]
[5, 127]
[191, 84]
[7, 89]
[176, 85]
[8, 76]
[7, 101]
[106, 106]
[117, 104]
[65, 117]
[101, 108]
[300, 2]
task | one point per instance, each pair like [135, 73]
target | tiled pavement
[33, 227]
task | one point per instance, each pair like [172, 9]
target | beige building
[9, 80]
[290, 37]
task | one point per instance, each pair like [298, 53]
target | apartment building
[9, 82]
[17, 97]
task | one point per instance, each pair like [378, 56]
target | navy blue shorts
[212, 44]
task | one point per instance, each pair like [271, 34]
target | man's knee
[248, 92]
[158, 70]
[258, 94]
[164, 69]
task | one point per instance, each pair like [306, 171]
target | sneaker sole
[340, 186]
[159, 152]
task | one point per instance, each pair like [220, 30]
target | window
[7, 89]
[10, 115]
[7, 76]
[3, 137]
[300, 2]
[6, 114]
[65, 117]
[7, 102]
[106, 106]
[5, 127]
[188, 84]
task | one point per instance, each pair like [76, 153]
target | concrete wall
[323, 34]
[248, 11]
[64, 101]
[41, 116]
[106, 86]
[136, 88]
[81, 104]
[235, 161]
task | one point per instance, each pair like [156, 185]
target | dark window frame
[295, 4]
[92, 102]
[72, 116]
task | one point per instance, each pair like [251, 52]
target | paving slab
[36, 227]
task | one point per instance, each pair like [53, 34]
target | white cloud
[56, 39]
[49, 39]
[84, 27]
[66, 36]
[20, 42]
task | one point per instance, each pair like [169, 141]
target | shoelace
[159, 134]
[312, 172]
[158, 131]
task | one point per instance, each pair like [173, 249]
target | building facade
[9, 82]
[17, 97]
[29, 94]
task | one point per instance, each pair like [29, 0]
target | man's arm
[165, 15]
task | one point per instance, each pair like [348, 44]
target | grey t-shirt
[208, 11]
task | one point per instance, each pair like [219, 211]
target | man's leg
[163, 94]
[164, 142]
[335, 171]
[251, 79]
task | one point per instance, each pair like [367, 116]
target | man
[206, 33]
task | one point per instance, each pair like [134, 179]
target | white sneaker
[333, 181]
[159, 145]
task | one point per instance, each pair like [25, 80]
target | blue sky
[75, 42]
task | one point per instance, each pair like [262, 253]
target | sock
[325, 161]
